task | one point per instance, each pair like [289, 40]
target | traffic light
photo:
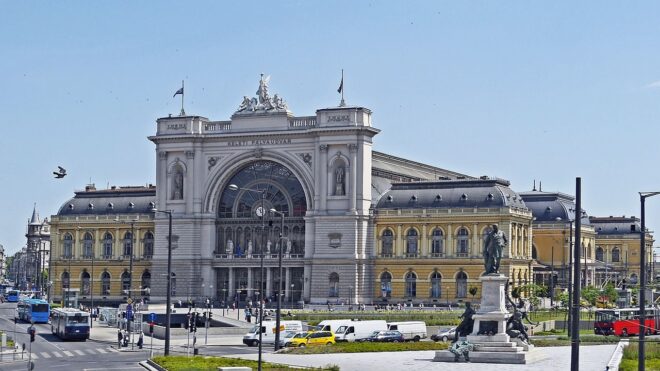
[33, 332]
[151, 328]
[210, 314]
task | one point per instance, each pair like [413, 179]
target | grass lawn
[584, 340]
[630, 354]
[201, 363]
[370, 347]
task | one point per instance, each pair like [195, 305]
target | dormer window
[413, 198]
[152, 205]
[131, 205]
[110, 206]
[70, 206]
[548, 209]
[490, 197]
[390, 198]
[90, 206]
[464, 197]
[438, 198]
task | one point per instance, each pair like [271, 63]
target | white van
[331, 324]
[357, 330]
[411, 330]
[268, 330]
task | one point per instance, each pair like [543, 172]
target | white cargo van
[357, 330]
[411, 330]
[331, 324]
[268, 330]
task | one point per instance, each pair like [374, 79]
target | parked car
[444, 334]
[411, 330]
[358, 330]
[313, 338]
[386, 337]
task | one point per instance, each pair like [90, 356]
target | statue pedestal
[492, 344]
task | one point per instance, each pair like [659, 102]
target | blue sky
[518, 90]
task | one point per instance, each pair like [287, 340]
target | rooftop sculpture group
[263, 102]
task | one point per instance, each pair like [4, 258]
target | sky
[520, 90]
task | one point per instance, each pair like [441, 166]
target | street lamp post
[168, 302]
[642, 278]
[279, 282]
[261, 212]
[291, 294]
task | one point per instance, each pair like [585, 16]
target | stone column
[269, 283]
[352, 148]
[323, 174]
[476, 238]
[230, 289]
[250, 286]
[424, 248]
[449, 249]
[399, 242]
[287, 283]
[162, 180]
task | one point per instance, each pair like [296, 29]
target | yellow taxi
[314, 338]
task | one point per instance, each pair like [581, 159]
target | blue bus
[36, 310]
[13, 296]
[70, 323]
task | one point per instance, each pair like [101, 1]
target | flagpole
[342, 104]
[183, 113]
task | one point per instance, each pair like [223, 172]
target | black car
[386, 337]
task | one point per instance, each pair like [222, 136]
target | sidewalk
[552, 358]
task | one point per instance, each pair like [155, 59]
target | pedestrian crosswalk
[72, 353]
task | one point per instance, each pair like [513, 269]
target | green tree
[590, 294]
[562, 299]
[535, 292]
[610, 293]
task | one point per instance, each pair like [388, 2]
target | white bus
[70, 323]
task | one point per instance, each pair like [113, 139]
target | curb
[617, 355]
[151, 365]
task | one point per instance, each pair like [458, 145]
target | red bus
[625, 321]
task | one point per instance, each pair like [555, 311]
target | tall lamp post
[261, 212]
[642, 278]
[279, 282]
[168, 302]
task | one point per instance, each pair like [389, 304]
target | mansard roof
[550, 206]
[116, 200]
[616, 225]
[455, 193]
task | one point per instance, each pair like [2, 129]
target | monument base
[513, 356]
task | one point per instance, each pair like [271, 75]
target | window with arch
[107, 245]
[461, 285]
[128, 244]
[436, 285]
[88, 245]
[535, 254]
[146, 283]
[148, 245]
[386, 284]
[616, 255]
[462, 242]
[411, 243]
[125, 282]
[437, 243]
[599, 254]
[105, 283]
[387, 243]
[86, 288]
[333, 291]
[68, 246]
[411, 285]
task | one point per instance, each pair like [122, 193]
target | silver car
[444, 334]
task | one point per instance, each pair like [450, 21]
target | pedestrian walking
[120, 337]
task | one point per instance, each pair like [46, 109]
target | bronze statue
[467, 324]
[493, 246]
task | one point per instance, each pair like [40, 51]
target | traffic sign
[152, 317]
[129, 312]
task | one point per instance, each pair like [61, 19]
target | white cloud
[654, 85]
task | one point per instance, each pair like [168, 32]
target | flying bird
[61, 173]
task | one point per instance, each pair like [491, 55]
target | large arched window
[88, 245]
[436, 285]
[535, 254]
[388, 243]
[148, 245]
[105, 283]
[386, 284]
[128, 244]
[437, 243]
[240, 208]
[616, 255]
[107, 245]
[411, 285]
[461, 285]
[462, 242]
[125, 283]
[411, 243]
[599, 253]
[333, 291]
[68, 246]
[146, 283]
[86, 285]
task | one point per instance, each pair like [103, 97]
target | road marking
[34, 356]
[58, 355]
[66, 352]
[45, 355]
[101, 350]
[91, 351]
[80, 352]
[114, 350]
